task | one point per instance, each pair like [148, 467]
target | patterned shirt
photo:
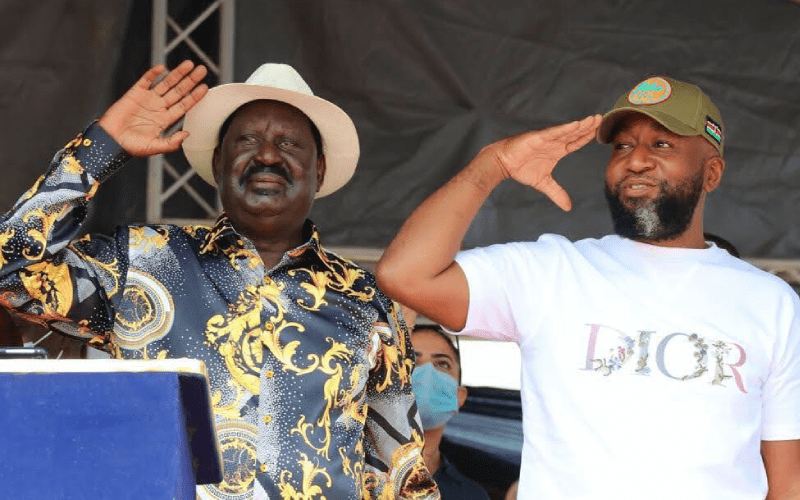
[309, 363]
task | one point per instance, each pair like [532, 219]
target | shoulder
[346, 268]
[157, 241]
[158, 234]
[547, 249]
[749, 278]
[545, 243]
[355, 277]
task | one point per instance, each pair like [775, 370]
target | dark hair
[223, 129]
[452, 341]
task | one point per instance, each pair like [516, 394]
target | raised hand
[530, 158]
[139, 118]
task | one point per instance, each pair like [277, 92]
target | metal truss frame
[158, 168]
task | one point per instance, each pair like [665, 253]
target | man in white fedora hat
[309, 363]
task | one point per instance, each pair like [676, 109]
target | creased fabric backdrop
[428, 83]
[57, 62]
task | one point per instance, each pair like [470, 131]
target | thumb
[553, 190]
[175, 140]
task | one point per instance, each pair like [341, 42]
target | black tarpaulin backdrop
[428, 83]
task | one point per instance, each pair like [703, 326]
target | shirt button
[269, 327]
[267, 419]
[269, 374]
[263, 468]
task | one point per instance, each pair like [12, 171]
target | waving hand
[139, 118]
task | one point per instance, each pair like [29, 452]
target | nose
[639, 159]
[268, 153]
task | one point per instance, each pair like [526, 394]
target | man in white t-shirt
[655, 364]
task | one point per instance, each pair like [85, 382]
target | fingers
[553, 190]
[187, 102]
[185, 85]
[173, 77]
[172, 142]
[570, 131]
[150, 76]
[587, 136]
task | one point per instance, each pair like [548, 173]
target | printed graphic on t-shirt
[676, 355]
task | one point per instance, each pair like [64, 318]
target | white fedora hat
[279, 82]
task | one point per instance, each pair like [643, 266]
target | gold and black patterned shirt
[309, 363]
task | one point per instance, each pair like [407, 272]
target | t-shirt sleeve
[489, 315]
[781, 392]
[511, 286]
[502, 279]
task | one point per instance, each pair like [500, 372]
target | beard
[665, 217]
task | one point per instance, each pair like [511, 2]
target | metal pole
[158, 55]
[227, 36]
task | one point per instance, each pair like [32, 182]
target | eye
[443, 364]
[620, 145]
[661, 143]
[247, 139]
[288, 142]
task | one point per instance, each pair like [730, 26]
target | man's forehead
[435, 344]
[434, 351]
[269, 108]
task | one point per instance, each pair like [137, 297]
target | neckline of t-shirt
[648, 251]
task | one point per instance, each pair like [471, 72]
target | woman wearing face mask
[436, 381]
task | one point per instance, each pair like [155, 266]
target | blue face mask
[436, 395]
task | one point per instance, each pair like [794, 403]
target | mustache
[272, 168]
[634, 178]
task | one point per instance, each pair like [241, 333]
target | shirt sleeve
[510, 286]
[43, 275]
[781, 392]
[490, 314]
[393, 436]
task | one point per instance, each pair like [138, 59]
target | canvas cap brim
[339, 136]
[613, 117]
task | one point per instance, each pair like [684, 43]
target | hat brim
[612, 118]
[339, 136]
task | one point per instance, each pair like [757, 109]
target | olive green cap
[679, 106]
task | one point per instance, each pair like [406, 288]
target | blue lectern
[106, 429]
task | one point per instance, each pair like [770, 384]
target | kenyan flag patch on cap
[714, 130]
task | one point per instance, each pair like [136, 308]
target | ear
[215, 163]
[321, 167]
[461, 393]
[714, 168]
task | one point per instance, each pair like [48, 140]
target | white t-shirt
[647, 372]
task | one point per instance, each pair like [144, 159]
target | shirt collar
[223, 238]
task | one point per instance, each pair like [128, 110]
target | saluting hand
[138, 119]
[530, 158]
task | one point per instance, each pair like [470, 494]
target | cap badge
[714, 130]
[650, 91]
